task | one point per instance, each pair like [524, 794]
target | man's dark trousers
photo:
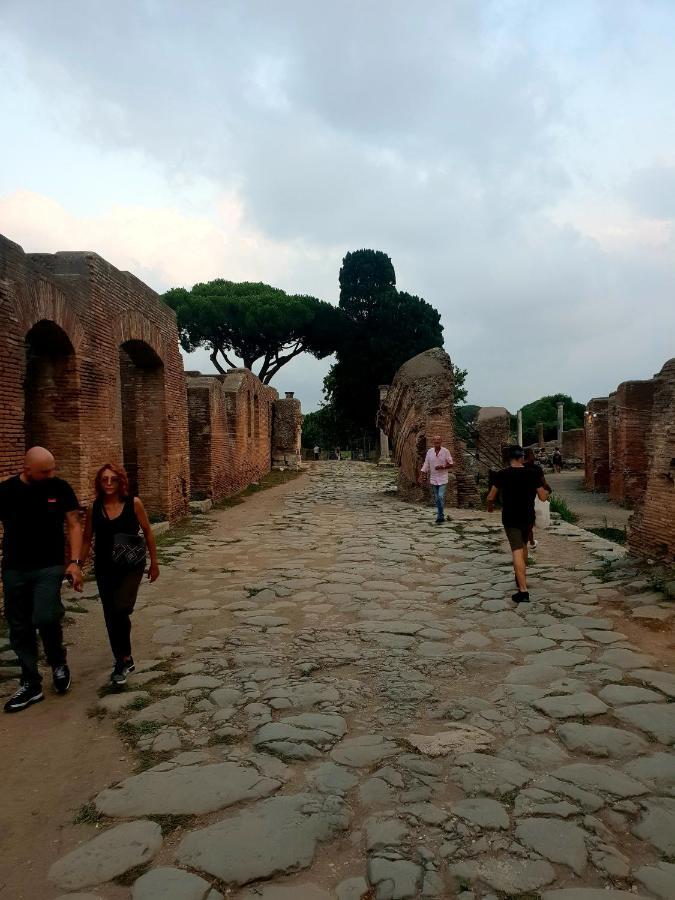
[32, 599]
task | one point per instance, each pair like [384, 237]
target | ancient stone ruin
[418, 405]
[287, 432]
[230, 432]
[493, 436]
[91, 369]
[630, 452]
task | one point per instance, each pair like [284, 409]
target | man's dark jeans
[33, 601]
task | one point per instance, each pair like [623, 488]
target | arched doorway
[52, 402]
[143, 414]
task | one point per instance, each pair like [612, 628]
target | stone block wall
[230, 432]
[652, 525]
[629, 424]
[419, 404]
[573, 444]
[287, 432]
[90, 367]
[493, 435]
[596, 430]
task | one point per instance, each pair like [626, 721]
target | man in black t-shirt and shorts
[518, 486]
[34, 506]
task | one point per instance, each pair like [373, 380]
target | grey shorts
[517, 536]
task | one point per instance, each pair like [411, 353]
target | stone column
[519, 437]
[560, 423]
[385, 459]
[540, 433]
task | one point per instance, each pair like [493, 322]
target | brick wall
[629, 422]
[596, 429]
[90, 367]
[230, 432]
[287, 432]
[419, 404]
[652, 525]
[573, 444]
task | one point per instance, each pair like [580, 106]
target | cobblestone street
[341, 701]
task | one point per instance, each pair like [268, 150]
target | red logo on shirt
[51, 499]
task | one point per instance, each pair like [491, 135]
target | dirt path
[338, 699]
[593, 509]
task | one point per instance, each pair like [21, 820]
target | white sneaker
[534, 545]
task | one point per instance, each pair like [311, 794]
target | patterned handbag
[128, 550]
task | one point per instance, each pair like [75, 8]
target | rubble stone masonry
[652, 526]
[287, 432]
[573, 444]
[493, 436]
[230, 432]
[418, 405]
[90, 367]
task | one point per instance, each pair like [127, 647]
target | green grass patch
[134, 731]
[87, 814]
[558, 505]
[617, 535]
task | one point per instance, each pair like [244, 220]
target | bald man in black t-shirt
[34, 506]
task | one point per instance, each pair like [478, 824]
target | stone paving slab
[342, 700]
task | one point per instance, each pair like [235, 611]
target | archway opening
[52, 400]
[143, 414]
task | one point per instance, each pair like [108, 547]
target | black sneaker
[130, 664]
[118, 676]
[521, 597]
[61, 678]
[27, 694]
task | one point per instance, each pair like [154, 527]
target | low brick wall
[230, 432]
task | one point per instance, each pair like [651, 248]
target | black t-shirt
[33, 516]
[518, 488]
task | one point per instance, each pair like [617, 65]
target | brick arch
[135, 327]
[43, 301]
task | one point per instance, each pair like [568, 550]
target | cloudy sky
[515, 158]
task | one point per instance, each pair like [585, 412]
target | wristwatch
[76, 562]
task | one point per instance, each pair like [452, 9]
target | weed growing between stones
[169, 822]
[148, 759]
[137, 704]
[558, 505]
[87, 814]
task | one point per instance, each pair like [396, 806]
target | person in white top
[437, 464]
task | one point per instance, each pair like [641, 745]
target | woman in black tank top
[114, 522]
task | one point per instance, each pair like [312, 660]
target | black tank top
[105, 530]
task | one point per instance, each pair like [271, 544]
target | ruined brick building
[418, 405]
[90, 367]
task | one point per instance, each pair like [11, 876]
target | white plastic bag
[542, 513]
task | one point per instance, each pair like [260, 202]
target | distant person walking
[517, 486]
[557, 460]
[531, 463]
[115, 521]
[316, 453]
[338, 454]
[437, 464]
[34, 506]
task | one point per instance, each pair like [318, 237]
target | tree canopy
[384, 327]
[546, 410]
[253, 321]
